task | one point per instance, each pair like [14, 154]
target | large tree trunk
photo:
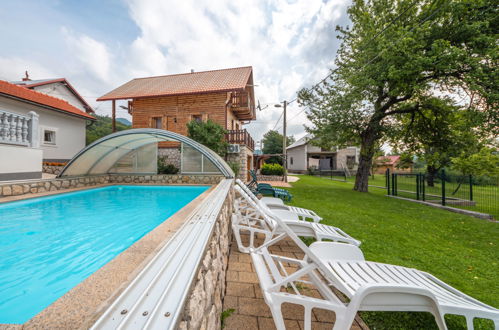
[365, 161]
[432, 174]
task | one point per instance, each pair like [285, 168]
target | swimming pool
[50, 244]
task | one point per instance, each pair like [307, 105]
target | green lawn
[458, 249]
[485, 197]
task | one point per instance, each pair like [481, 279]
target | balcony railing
[240, 136]
[19, 129]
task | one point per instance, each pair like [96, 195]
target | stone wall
[50, 169]
[171, 156]
[204, 303]
[261, 177]
[33, 187]
[241, 158]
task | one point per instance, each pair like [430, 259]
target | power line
[372, 39]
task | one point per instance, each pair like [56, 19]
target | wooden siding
[177, 111]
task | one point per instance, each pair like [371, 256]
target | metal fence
[479, 194]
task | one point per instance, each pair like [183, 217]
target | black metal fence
[479, 194]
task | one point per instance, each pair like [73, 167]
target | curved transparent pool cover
[135, 151]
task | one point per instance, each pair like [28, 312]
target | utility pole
[284, 143]
[284, 139]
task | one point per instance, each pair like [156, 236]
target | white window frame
[50, 129]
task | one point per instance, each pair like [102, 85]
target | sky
[98, 45]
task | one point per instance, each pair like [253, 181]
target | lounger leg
[469, 323]
[277, 316]
[441, 321]
[344, 321]
[307, 322]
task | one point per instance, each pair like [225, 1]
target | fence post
[423, 184]
[471, 187]
[443, 187]
[387, 180]
[394, 184]
[417, 186]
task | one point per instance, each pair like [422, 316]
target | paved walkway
[245, 296]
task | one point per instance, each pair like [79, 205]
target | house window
[48, 137]
[350, 162]
[198, 118]
[157, 122]
[291, 160]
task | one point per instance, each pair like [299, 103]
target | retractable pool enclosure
[135, 151]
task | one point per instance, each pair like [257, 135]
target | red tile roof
[387, 160]
[35, 83]
[19, 92]
[185, 83]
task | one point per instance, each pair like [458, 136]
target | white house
[36, 126]
[303, 154]
[56, 87]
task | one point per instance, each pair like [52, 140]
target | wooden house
[169, 102]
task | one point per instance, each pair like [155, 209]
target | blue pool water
[50, 244]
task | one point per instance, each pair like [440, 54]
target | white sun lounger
[276, 205]
[369, 286]
[251, 218]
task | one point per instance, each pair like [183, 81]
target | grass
[485, 197]
[458, 249]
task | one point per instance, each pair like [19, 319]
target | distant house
[56, 87]
[170, 102]
[303, 154]
[392, 163]
[31, 121]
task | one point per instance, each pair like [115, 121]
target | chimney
[192, 70]
[27, 76]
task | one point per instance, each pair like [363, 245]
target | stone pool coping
[83, 304]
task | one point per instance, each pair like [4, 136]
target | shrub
[164, 168]
[208, 133]
[272, 169]
[236, 167]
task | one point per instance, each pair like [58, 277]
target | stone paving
[243, 294]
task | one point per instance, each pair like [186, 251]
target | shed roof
[184, 83]
[18, 92]
[387, 160]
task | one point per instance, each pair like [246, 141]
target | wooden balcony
[240, 136]
[242, 106]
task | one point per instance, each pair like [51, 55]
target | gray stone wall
[204, 303]
[41, 186]
[171, 156]
[50, 169]
[261, 177]
[241, 158]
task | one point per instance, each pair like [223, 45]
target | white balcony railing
[19, 129]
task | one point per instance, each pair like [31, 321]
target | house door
[249, 161]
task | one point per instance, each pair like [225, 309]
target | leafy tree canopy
[397, 54]
[210, 134]
[272, 144]
[438, 131]
[102, 127]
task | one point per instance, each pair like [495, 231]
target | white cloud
[13, 68]
[289, 45]
[92, 54]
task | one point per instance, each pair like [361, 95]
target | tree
[209, 134]
[102, 127]
[396, 54]
[484, 162]
[438, 131]
[272, 144]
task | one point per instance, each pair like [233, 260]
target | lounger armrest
[333, 251]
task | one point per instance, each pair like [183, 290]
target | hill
[102, 127]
